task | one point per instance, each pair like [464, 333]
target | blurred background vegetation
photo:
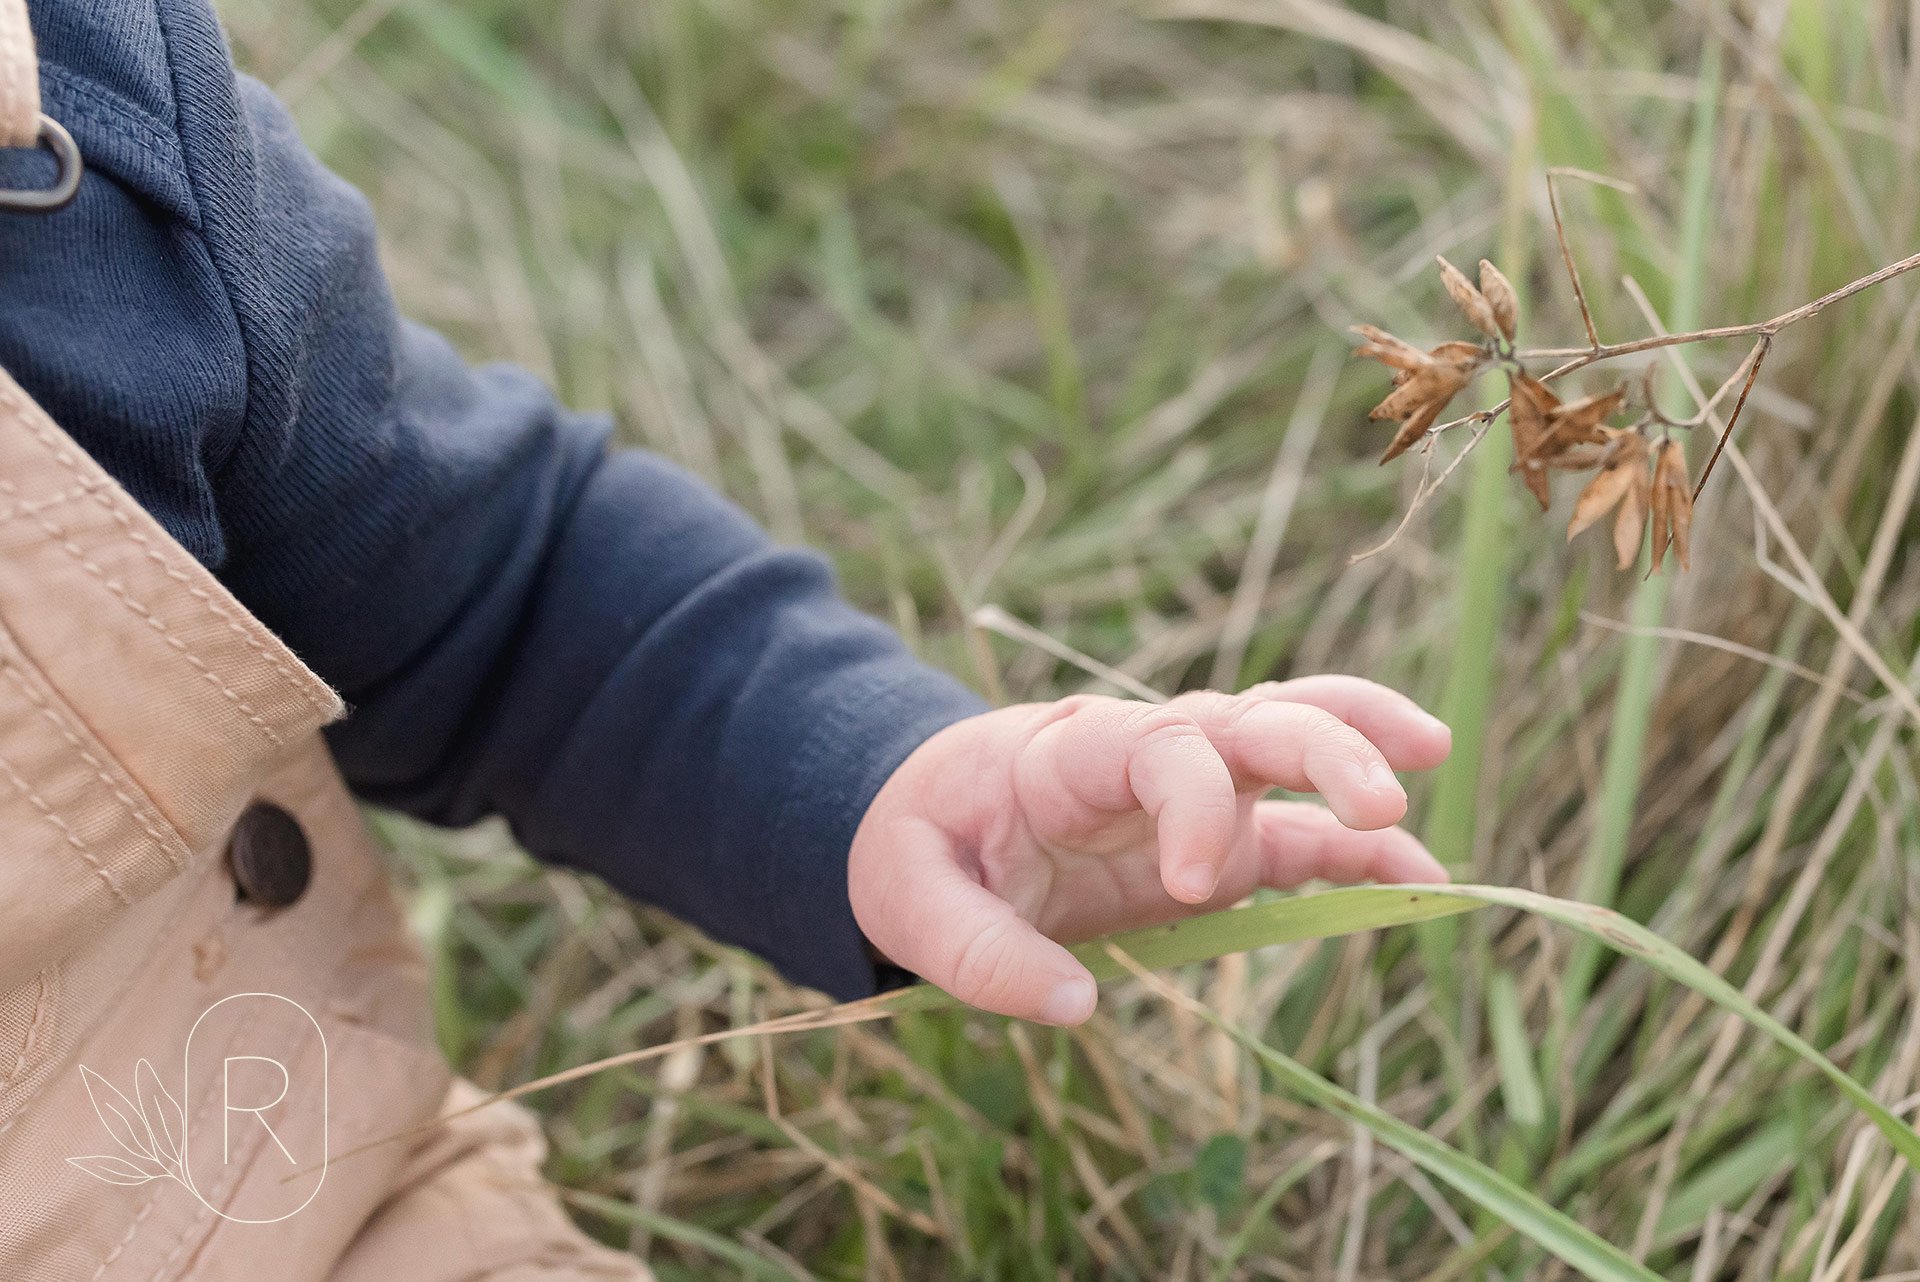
[1042, 306]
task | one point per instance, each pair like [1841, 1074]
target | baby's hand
[1068, 820]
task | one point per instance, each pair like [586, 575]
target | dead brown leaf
[1630, 526]
[1582, 422]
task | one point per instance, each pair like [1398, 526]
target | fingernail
[1070, 1002]
[1434, 723]
[1196, 883]
[1381, 779]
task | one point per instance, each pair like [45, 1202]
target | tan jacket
[206, 987]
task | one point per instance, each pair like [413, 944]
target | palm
[1077, 873]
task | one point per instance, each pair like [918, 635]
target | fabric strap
[19, 78]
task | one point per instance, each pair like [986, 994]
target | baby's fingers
[1303, 748]
[1410, 737]
[929, 916]
[1116, 757]
[1300, 842]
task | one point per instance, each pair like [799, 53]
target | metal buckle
[44, 200]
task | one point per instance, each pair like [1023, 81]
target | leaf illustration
[165, 1119]
[119, 1115]
[112, 1169]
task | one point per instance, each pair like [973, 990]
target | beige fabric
[19, 77]
[141, 710]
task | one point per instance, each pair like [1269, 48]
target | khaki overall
[206, 986]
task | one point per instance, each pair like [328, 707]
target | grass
[1015, 306]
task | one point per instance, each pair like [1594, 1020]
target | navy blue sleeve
[525, 623]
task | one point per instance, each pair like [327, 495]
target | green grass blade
[1519, 1080]
[1354, 909]
[1568, 1240]
[1618, 801]
[1627, 937]
[1291, 920]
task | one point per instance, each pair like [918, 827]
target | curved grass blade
[1294, 919]
[1349, 911]
[1323, 915]
[1631, 939]
[1570, 1241]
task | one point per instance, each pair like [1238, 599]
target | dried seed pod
[1550, 435]
[1388, 350]
[1582, 422]
[1424, 382]
[1458, 350]
[1672, 505]
[1581, 458]
[1498, 291]
[1530, 402]
[1623, 483]
[1630, 525]
[1471, 302]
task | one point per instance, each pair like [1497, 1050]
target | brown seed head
[1381, 346]
[1672, 505]
[1531, 401]
[1498, 291]
[1582, 422]
[1623, 482]
[1421, 390]
[1471, 302]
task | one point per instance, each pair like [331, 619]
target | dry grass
[1038, 307]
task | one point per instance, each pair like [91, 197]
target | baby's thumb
[936, 921]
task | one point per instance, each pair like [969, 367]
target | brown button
[269, 856]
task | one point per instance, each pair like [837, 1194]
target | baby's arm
[590, 643]
[593, 644]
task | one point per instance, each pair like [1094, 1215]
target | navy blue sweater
[525, 623]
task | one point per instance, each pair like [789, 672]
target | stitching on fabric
[42, 1011]
[146, 615]
[105, 499]
[27, 507]
[44, 433]
[79, 844]
[170, 844]
[126, 1239]
[236, 1175]
[115, 111]
[162, 942]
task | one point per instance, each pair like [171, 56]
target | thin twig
[1723, 644]
[994, 619]
[1580, 357]
[1760, 350]
[1566, 254]
[865, 1010]
[1425, 492]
